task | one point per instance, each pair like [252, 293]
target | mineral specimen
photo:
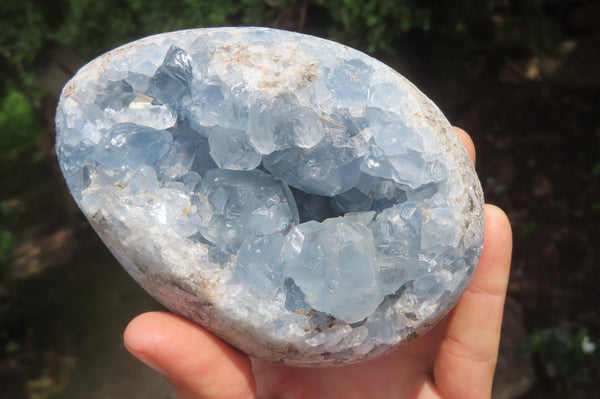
[298, 198]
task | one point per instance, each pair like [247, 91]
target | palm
[403, 373]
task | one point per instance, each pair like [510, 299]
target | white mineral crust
[298, 198]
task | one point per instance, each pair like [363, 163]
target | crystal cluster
[298, 198]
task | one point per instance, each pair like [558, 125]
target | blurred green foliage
[445, 31]
[6, 237]
[7, 245]
[527, 230]
[18, 124]
[29, 29]
[376, 25]
[565, 356]
[100, 25]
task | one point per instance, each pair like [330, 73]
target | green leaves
[7, 244]
[7, 241]
[18, 125]
[377, 24]
[567, 356]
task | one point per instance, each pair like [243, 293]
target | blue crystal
[335, 256]
[231, 149]
[118, 94]
[244, 204]
[189, 152]
[129, 146]
[170, 82]
[349, 83]
[294, 297]
[259, 264]
[300, 199]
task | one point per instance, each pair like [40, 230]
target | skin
[454, 360]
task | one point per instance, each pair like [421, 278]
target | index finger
[467, 142]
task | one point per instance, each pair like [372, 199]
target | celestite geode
[298, 198]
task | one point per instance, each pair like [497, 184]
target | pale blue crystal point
[298, 198]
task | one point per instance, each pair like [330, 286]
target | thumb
[195, 362]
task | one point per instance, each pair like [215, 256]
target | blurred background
[522, 77]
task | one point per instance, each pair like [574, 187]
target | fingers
[467, 142]
[194, 361]
[465, 364]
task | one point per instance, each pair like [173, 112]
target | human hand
[454, 360]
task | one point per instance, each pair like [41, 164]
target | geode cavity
[296, 197]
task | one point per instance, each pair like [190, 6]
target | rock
[298, 198]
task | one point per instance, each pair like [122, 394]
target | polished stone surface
[298, 198]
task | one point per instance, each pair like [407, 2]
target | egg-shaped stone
[298, 198]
